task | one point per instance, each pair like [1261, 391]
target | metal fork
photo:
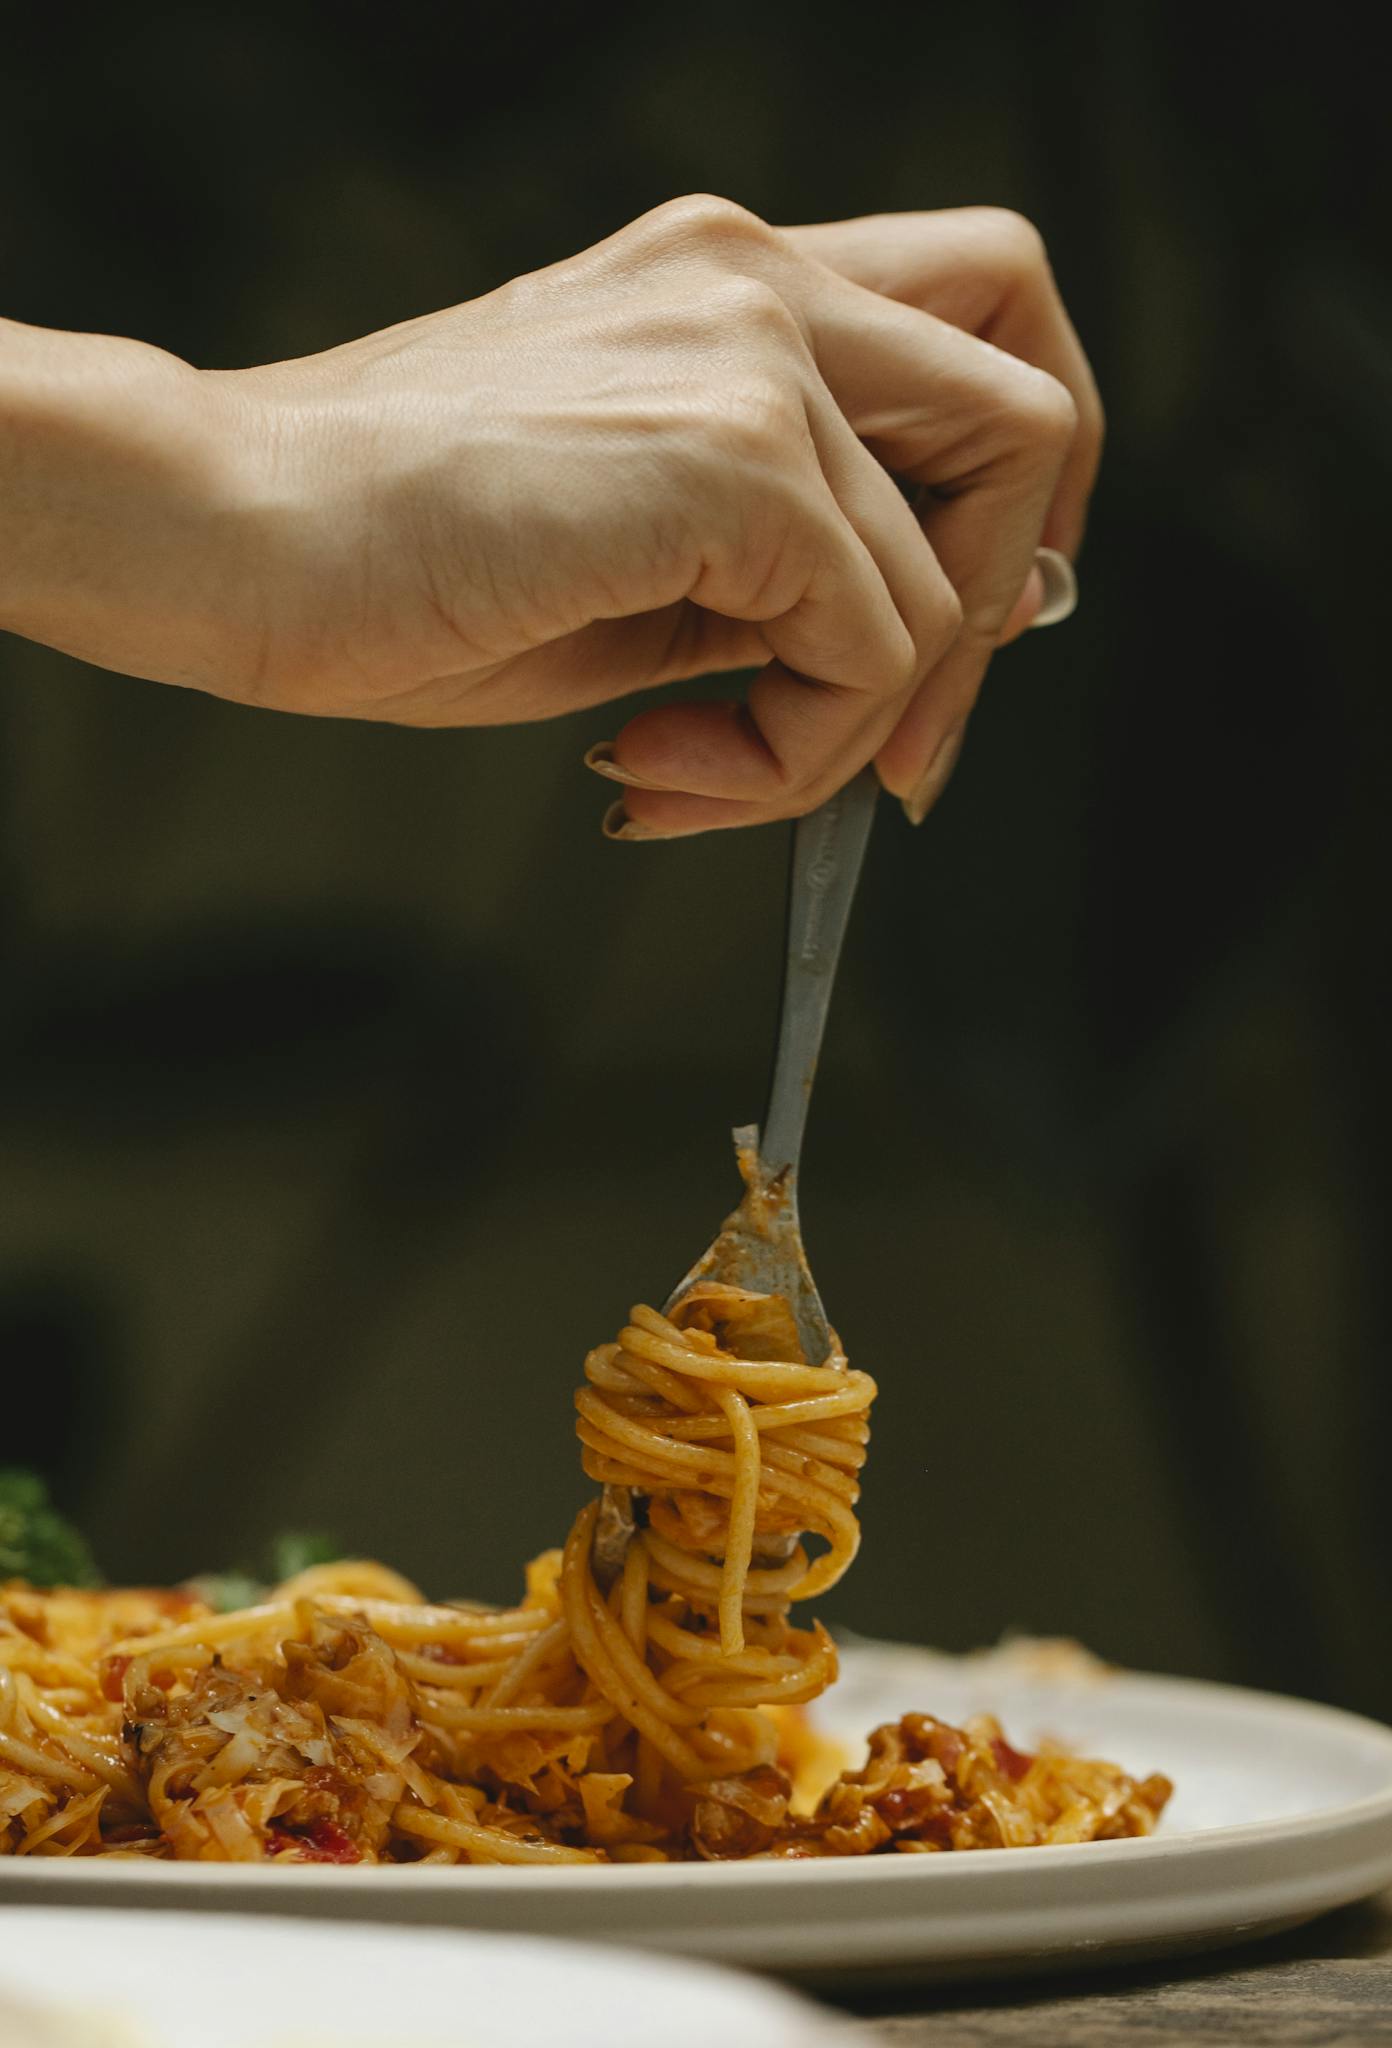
[759, 1245]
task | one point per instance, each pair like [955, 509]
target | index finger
[985, 270]
[854, 614]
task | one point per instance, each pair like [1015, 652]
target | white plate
[1282, 1810]
[182, 1980]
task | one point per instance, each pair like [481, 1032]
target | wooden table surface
[1328, 1985]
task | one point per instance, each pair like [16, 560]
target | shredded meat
[927, 1787]
[741, 1816]
[304, 1761]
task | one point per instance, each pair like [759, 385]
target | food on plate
[641, 1702]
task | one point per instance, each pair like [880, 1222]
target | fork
[759, 1245]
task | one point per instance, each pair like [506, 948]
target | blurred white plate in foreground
[1282, 1810]
[91, 1979]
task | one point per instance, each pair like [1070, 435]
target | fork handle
[828, 848]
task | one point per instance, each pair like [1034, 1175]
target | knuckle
[902, 662]
[703, 220]
[1044, 409]
[751, 303]
[1018, 244]
[803, 791]
[947, 616]
[1058, 417]
[888, 657]
[935, 626]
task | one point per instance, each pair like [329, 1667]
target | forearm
[114, 485]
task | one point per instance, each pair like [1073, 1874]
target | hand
[665, 456]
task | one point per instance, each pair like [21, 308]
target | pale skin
[672, 454]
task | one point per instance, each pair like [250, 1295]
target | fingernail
[1060, 587]
[935, 779]
[616, 824]
[600, 757]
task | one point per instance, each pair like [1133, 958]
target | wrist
[115, 474]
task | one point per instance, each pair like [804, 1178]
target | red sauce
[936, 1827]
[323, 1841]
[1012, 1761]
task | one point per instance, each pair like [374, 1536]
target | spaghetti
[640, 1703]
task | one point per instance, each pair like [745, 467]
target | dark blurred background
[352, 1086]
